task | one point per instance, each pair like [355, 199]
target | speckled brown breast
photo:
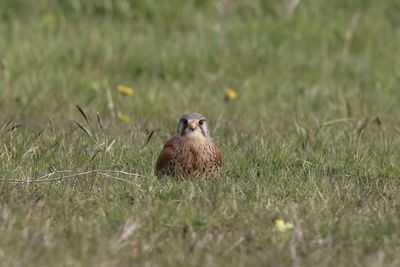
[183, 158]
[196, 159]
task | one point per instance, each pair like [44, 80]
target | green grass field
[313, 137]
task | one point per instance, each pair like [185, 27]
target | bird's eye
[185, 122]
[201, 122]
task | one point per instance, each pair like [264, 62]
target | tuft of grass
[310, 137]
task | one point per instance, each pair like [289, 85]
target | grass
[313, 137]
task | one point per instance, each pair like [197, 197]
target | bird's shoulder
[166, 155]
[218, 156]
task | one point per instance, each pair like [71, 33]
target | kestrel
[191, 152]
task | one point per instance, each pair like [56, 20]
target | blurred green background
[310, 59]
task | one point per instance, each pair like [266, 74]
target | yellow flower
[52, 137]
[230, 94]
[125, 90]
[123, 117]
[282, 226]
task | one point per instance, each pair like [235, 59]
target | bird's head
[192, 126]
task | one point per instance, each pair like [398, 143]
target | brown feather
[218, 156]
[186, 158]
[164, 164]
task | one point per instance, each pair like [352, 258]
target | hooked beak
[192, 125]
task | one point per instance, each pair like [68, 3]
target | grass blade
[83, 128]
[83, 113]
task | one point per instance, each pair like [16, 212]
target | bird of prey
[191, 153]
